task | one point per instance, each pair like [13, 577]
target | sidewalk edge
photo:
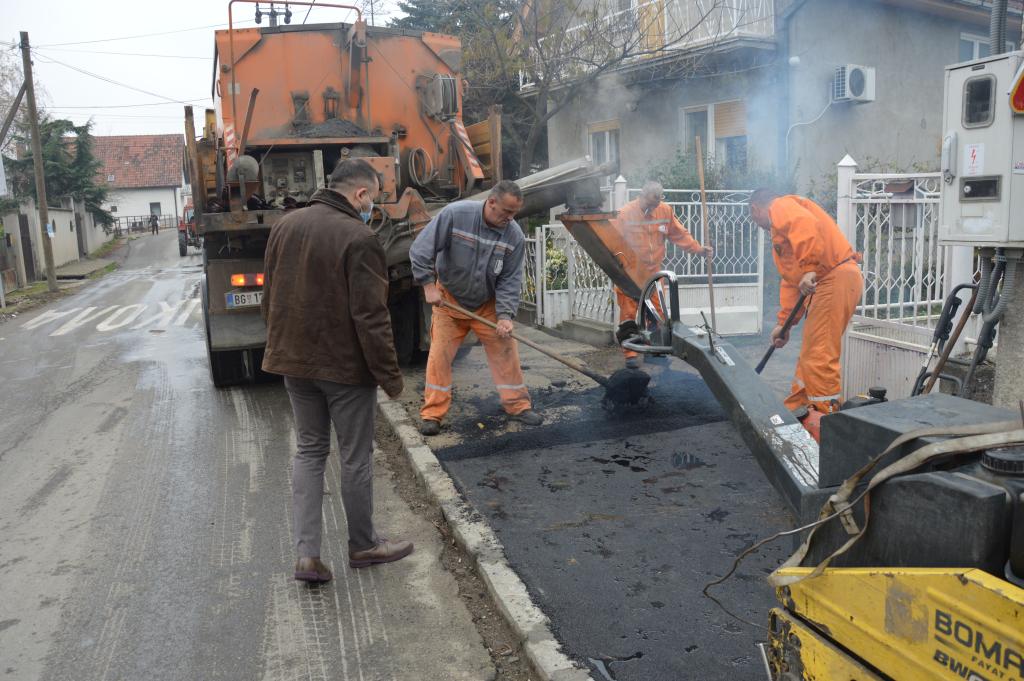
[478, 540]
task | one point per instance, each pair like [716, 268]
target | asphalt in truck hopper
[616, 520]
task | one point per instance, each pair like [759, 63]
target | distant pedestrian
[472, 254]
[154, 224]
[329, 335]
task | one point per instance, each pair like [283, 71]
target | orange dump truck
[290, 101]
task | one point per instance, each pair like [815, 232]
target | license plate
[248, 299]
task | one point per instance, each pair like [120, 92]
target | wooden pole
[705, 228]
[37, 162]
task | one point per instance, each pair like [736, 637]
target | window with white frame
[723, 122]
[604, 141]
[977, 46]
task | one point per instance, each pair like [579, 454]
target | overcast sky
[162, 48]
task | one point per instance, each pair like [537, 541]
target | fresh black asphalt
[616, 521]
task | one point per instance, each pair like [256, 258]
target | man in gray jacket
[472, 254]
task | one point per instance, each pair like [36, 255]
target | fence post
[540, 262]
[845, 171]
[570, 280]
[620, 194]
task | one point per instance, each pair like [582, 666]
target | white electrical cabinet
[982, 155]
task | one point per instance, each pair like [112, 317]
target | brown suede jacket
[325, 298]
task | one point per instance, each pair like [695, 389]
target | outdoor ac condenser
[853, 83]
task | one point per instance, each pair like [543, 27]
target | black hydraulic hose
[983, 285]
[1006, 270]
[986, 339]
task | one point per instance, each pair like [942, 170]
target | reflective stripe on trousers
[447, 331]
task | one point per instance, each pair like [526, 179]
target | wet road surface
[144, 515]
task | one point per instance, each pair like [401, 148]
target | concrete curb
[479, 541]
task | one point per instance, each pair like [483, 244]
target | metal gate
[563, 284]
[892, 219]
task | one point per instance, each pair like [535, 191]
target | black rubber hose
[983, 284]
[1002, 299]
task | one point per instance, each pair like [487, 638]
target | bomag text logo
[973, 654]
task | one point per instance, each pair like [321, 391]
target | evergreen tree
[68, 162]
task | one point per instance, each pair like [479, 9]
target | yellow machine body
[907, 623]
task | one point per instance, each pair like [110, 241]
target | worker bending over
[645, 223]
[816, 260]
[472, 254]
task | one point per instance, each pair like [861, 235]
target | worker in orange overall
[472, 254]
[645, 224]
[816, 260]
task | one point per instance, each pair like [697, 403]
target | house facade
[144, 176]
[766, 86]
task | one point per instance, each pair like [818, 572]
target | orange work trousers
[448, 329]
[817, 383]
[627, 311]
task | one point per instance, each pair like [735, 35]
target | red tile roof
[139, 161]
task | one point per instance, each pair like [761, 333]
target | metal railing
[893, 221]
[561, 282]
[896, 230]
[650, 28]
[126, 224]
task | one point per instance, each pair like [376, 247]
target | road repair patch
[616, 521]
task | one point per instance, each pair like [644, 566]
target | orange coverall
[448, 329]
[646, 232]
[806, 239]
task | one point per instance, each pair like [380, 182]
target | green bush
[680, 172]
[556, 267]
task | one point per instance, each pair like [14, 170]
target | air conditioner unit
[853, 84]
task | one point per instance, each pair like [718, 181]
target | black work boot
[430, 427]
[529, 417]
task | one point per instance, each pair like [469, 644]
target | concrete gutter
[478, 540]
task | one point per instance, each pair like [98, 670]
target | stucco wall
[902, 128]
[654, 130]
[132, 202]
[908, 49]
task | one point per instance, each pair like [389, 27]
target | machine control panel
[289, 174]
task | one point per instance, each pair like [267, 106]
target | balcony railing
[650, 28]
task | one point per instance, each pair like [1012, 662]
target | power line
[129, 54]
[141, 35]
[104, 115]
[196, 100]
[104, 78]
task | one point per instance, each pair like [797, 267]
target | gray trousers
[316, 404]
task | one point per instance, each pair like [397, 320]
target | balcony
[646, 30]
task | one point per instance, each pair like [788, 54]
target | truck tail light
[247, 279]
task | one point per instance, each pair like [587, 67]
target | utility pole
[37, 161]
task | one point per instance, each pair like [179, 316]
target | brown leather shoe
[386, 551]
[312, 571]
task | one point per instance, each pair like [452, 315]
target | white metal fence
[573, 287]
[892, 220]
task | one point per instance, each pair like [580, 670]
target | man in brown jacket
[329, 335]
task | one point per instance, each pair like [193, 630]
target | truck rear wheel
[227, 367]
[182, 244]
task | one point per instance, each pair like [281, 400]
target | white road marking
[123, 317]
[162, 318]
[192, 304]
[51, 315]
[82, 318]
